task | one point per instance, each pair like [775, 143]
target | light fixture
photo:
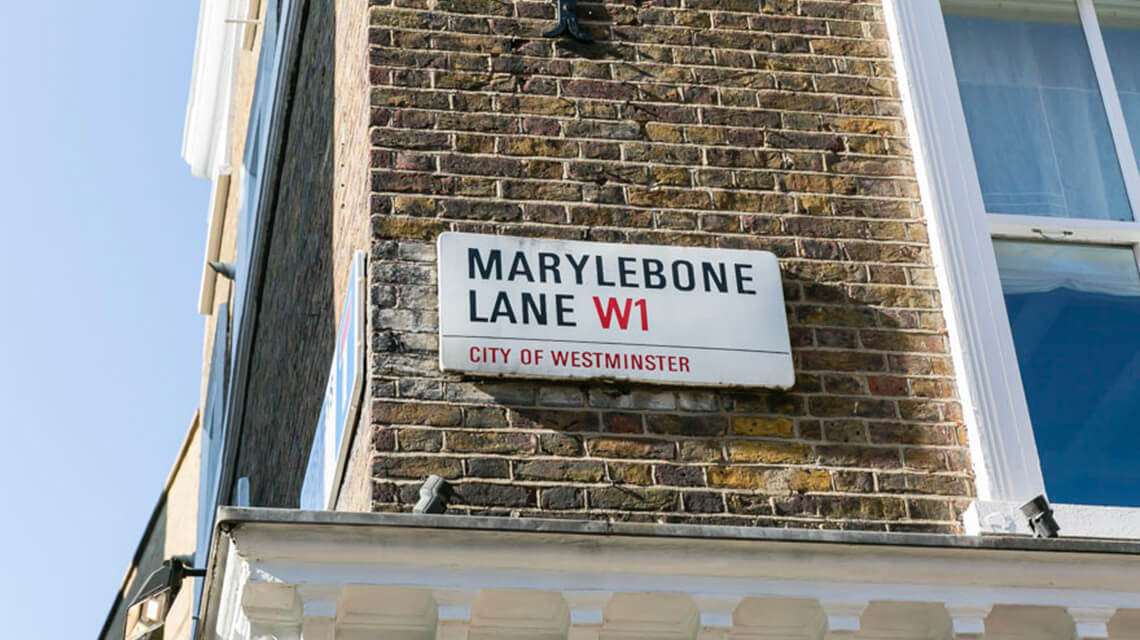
[434, 494]
[148, 610]
[224, 269]
[1040, 516]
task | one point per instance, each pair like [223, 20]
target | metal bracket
[568, 22]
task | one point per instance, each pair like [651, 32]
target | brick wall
[297, 307]
[351, 228]
[757, 124]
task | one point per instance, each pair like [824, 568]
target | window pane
[1033, 109]
[1075, 314]
[1120, 26]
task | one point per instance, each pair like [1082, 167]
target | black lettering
[689, 274]
[601, 274]
[741, 279]
[520, 267]
[539, 308]
[562, 309]
[626, 272]
[471, 298]
[654, 273]
[579, 267]
[711, 278]
[475, 263]
[549, 262]
[503, 308]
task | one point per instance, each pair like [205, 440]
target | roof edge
[195, 422]
[233, 517]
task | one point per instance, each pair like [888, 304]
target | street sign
[329, 455]
[530, 307]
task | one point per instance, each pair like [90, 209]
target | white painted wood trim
[1065, 229]
[640, 586]
[218, 197]
[1076, 520]
[205, 135]
[1002, 445]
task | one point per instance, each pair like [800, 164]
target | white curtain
[1037, 124]
[1038, 267]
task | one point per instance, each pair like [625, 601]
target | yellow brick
[662, 132]
[736, 477]
[768, 452]
[810, 480]
[753, 426]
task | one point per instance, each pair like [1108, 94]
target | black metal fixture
[568, 22]
[1040, 516]
[434, 494]
[148, 610]
[224, 269]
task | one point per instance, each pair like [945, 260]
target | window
[1075, 314]
[1031, 184]
[1044, 148]
[212, 438]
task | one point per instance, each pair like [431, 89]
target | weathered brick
[580, 421]
[687, 425]
[559, 498]
[631, 448]
[632, 499]
[702, 502]
[439, 415]
[430, 440]
[760, 426]
[489, 442]
[416, 467]
[564, 470]
[769, 452]
[730, 123]
[630, 473]
[494, 495]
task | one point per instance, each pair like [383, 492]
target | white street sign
[531, 307]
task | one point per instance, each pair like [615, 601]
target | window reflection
[1120, 28]
[1036, 121]
[1075, 315]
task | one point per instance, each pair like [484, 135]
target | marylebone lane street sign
[538, 308]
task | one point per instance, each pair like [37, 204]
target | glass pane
[1033, 109]
[1120, 26]
[1075, 314]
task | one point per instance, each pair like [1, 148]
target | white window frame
[1002, 445]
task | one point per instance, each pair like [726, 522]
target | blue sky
[100, 341]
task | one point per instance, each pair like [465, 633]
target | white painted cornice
[205, 137]
[543, 579]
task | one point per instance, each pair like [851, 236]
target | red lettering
[613, 361]
[612, 309]
[684, 364]
[559, 358]
[640, 304]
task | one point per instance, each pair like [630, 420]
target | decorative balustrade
[367, 576]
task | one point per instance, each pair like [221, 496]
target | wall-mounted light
[224, 269]
[434, 494]
[1040, 516]
[148, 610]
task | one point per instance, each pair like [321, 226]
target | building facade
[947, 189]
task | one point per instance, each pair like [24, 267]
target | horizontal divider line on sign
[617, 344]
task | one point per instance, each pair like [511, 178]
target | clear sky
[100, 342]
